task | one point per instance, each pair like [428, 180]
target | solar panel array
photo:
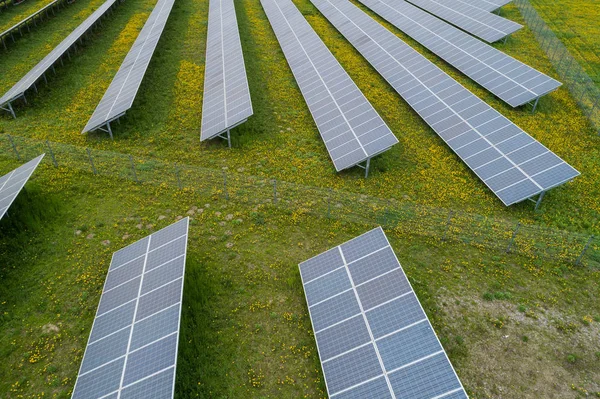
[21, 24]
[373, 337]
[511, 80]
[487, 26]
[12, 183]
[19, 89]
[487, 5]
[226, 99]
[352, 130]
[132, 348]
[511, 163]
[119, 96]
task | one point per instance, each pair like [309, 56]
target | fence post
[585, 248]
[14, 147]
[178, 178]
[133, 169]
[91, 161]
[274, 190]
[447, 225]
[329, 203]
[512, 239]
[52, 154]
[225, 185]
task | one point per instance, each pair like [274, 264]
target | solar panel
[373, 337]
[352, 130]
[119, 96]
[511, 80]
[487, 26]
[132, 348]
[511, 163]
[39, 71]
[12, 183]
[487, 5]
[226, 100]
[21, 24]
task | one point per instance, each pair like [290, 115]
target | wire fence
[582, 87]
[435, 224]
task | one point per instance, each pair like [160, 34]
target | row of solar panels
[122, 91]
[511, 163]
[26, 22]
[373, 337]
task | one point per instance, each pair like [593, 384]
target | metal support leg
[535, 105]
[229, 138]
[539, 200]
[109, 130]
[367, 167]
[11, 110]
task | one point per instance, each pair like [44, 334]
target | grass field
[573, 22]
[513, 327]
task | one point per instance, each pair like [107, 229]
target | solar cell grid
[487, 26]
[38, 71]
[132, 349]
[382, 348]
[350, 127]
[226, 99]
[12, 183]
[507, 78]
[509, 161]
[123, 89]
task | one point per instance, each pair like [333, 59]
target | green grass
[572, 21]
[245, 329]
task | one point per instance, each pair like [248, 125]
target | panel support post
[229, 138]
[91, 161]
[14, 147]
[539, 200]
[512, 239]
[51, 154]
[535, 105]
[11, 110]
[585, 248]
[133, 169]
[368, 164]
[109, 130]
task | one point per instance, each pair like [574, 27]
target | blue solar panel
[132, 349]
[373, 337]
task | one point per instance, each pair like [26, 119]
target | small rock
[200, 210]
[106, 243]
[207, 205]
[78, 232]
[126, 236]
[162, 217]
[217, 214]
[229, 245]
[228, 233]
[149, 226]
[212, 238]
[50, 328]
[90, 236]
[179, 217]
[139, 226]
[194, 208]
[168, 211]
[229, 217]
[191, 212]
[222, 224]
[241, 169]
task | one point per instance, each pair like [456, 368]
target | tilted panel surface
[373, 337]
[132, 348]
[349, 125]
[12, 183]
